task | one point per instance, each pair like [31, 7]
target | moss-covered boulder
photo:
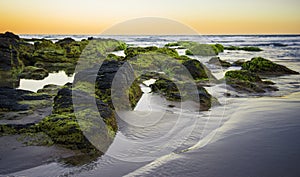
[47, 51]
[131, 52]
[195, 48]
[170, 91]
[198, 71]
[73, 48]
[104, 79]
[264, 67]
[246, 82]
[247, 48]
[63, 126]
[153, 59]
[31, 72]
[218, 62]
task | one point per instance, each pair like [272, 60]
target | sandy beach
[260, 139]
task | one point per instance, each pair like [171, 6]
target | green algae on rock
[264, 67]
[183, 91]
[195, 48]
[249, 49]
[246, 82]
[31, 72]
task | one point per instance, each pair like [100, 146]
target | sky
[96, 16]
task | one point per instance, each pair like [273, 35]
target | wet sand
[15, 156]
[260, 139]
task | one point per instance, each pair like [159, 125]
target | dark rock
[103, 81]
[239, 62]
[8, 53]
[264, 67]
[31, 72]
[198, 70]
[9, 99]
[171, 92]
[247, 82]
[249, 49]
[217, 61]
[10, 35]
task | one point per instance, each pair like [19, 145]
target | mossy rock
[246, 82]
[243, 76]
[264, 67]
[249, 49]
[64, 129]
[31, 72]
[115, 57]
[73, 48]
[188, 52]
[50, 89]
[172, 44]
[218, 62]
[170, 91]
[11, 65]
[198, 70]
[134, 51]
[195, 48]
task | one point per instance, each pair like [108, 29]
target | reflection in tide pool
[59, 78]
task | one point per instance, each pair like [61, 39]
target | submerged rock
[247, 82]
[218, 62]
[264, 67]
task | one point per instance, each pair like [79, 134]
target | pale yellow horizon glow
[96, 16]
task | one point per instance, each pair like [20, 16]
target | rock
[62, 126]
[9, 59]
[264, 67]
[198, 70]
[73, 48]
[171, 92]
[105, 76]
[131, 52]
[239, 62]
[50, 89]
[217, 61]
[9, 99]
[246, 82]
[195, 48]
[188, 52]
[250, 49]
[31, 72]
[10, 35]
[20, 109]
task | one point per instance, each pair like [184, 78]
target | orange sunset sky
[205, 16]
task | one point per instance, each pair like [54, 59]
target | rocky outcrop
[198, 71]
[264, 67]
[249, 49]
[31, 72]
[171, 92]
[218, 62]
[195, 48]
[11, 65]
[246, 82]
